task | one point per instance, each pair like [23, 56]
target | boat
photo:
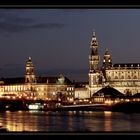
[34, 106]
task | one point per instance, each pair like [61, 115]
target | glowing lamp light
[14, 97]
[36, 107]
[70, 99]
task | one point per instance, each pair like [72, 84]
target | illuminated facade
[123, 77]
[33, 87]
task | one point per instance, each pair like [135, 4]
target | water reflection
[107, 122]
[67, 121]
[19, 121]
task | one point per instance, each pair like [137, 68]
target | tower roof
[94, 33]
[94, 40]
[29, 62]
[107, 51]
[29, 59]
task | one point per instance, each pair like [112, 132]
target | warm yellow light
[127, 100]
[70, 99]
[116, 101]
[107, 113]
[108, 102]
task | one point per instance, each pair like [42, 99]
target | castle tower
[107, 60]
[94, 71]
[30, 74]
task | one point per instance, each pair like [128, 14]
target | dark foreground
[119, 107]
[12, 105]
[121, 116]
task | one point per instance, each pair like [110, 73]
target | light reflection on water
[67, 121]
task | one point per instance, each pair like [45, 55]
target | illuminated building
[123, 77]
[81, 91]
[32, 87]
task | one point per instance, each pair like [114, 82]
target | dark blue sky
[58, 40]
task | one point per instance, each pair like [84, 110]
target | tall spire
[94, 56]
[93, 32]
[94, 70]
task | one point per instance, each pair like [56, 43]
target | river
[69, 121]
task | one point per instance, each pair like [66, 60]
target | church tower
[94, 57]
[107, 60]
[30, 73]
[95, 78]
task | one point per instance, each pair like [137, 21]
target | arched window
[129, 77]
[135, 77]
[122, 77]
[109, 77]
[116, 77]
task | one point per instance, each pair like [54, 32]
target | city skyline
[58, 40]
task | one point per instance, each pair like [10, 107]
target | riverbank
[131, 106]
[127, 107]
[86, 107]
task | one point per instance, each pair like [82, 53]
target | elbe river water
[69, 121]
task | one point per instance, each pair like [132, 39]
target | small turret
[107, 60]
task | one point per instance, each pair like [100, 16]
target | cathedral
[124, 77]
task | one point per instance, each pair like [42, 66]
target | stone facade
[123, 77]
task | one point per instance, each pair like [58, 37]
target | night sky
[58, 40]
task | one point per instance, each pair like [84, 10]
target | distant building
[123, 77]
[31, 86]
[81, 93]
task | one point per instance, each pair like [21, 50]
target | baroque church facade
[123, 77]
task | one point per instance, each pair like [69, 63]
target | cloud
[12, 23]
